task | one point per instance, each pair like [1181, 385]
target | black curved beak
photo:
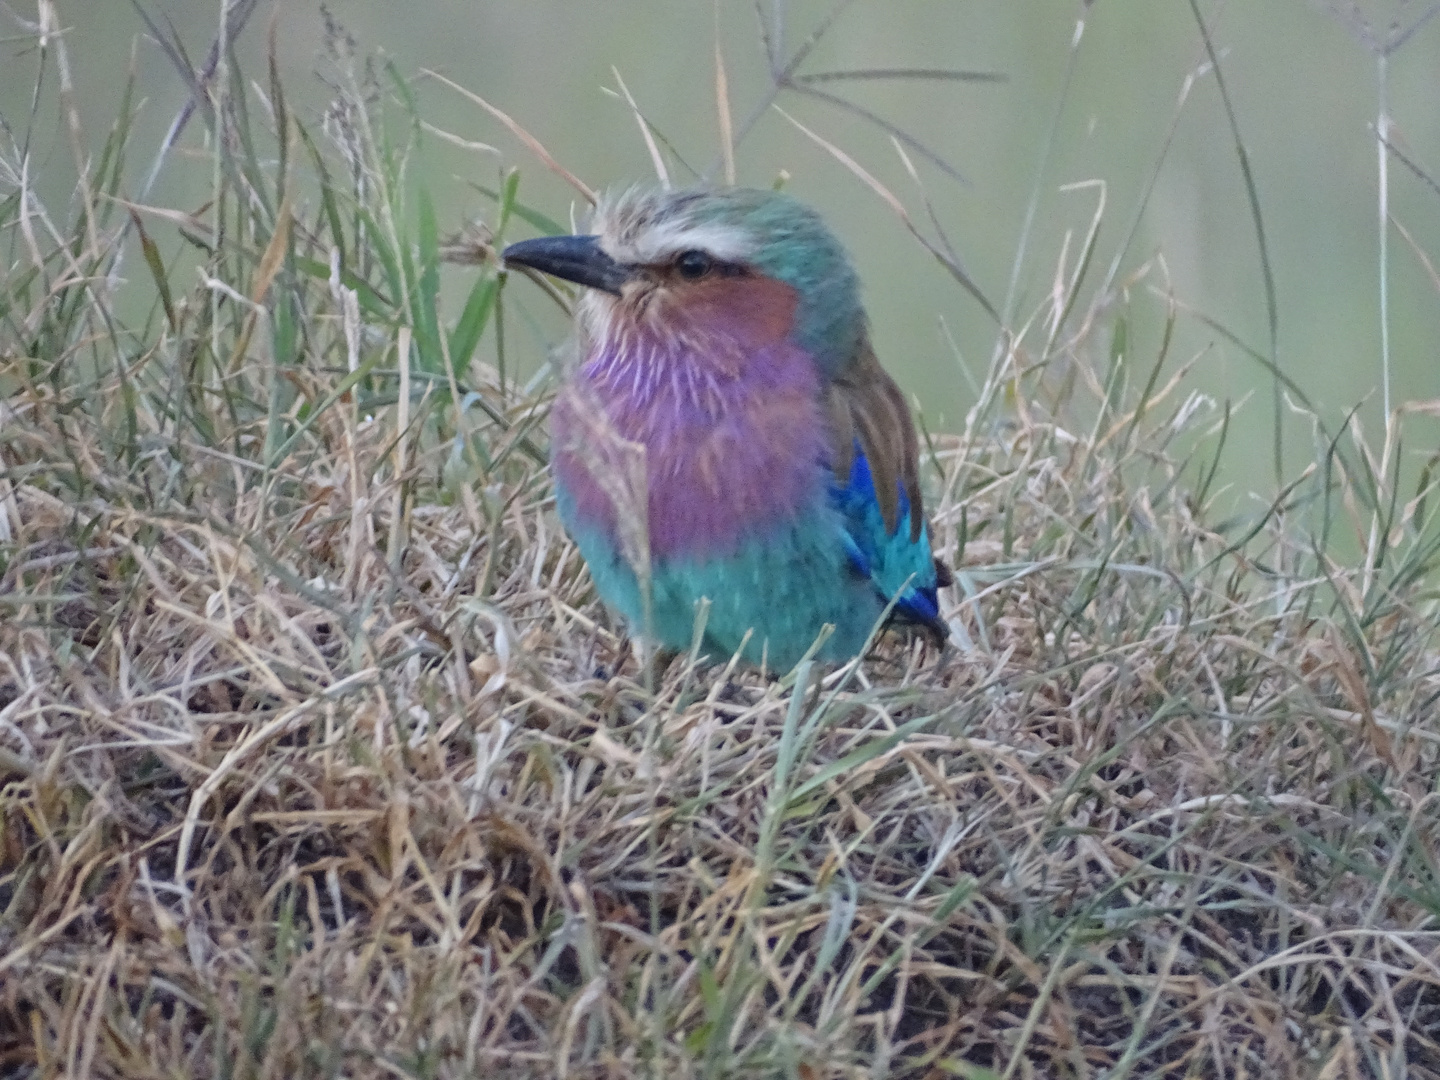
[574, 258]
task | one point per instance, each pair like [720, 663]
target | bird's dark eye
[694, 264]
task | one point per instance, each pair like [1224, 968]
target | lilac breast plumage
[733, 438]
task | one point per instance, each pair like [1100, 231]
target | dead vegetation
[318, 757]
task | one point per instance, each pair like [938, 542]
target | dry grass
[318, 757]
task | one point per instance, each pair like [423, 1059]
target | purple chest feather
[726, 407]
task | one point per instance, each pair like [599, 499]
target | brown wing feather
[866, 404]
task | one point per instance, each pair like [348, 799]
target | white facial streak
[644, 227]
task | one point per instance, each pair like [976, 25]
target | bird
[726, 433]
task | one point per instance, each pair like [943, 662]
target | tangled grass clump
[318, 756]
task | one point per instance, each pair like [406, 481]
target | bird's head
[733, 259]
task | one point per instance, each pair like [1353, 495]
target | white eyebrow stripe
[656, 243]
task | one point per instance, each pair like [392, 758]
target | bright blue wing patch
[891, 560]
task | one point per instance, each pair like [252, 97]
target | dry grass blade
[532, 143]
[656, 160]
[944, 258]
[722, 107]
[237, 15]
[921, 74]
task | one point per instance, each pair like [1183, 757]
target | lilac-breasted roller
[729, 430]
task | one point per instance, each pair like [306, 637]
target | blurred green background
[1302, 77]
